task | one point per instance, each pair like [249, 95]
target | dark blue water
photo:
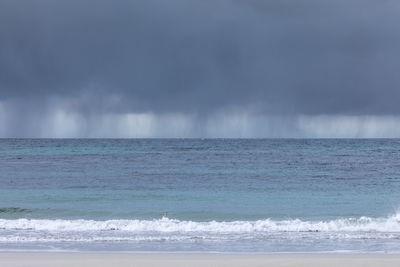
[246, 195]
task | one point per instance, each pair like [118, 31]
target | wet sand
[51, 259]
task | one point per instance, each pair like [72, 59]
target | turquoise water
[238, 195]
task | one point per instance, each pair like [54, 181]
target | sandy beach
[44, 259]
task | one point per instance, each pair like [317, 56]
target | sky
[200, 68]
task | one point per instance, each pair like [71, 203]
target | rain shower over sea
[195, 195]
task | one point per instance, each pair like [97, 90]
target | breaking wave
[165, 225]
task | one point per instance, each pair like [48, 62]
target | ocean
[200, 195]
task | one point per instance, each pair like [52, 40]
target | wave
[165, 225]
[14, 210]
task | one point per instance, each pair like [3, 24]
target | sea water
[195, 195]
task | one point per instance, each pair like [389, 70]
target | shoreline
[144, 252]
[105, 259]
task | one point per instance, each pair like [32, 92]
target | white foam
[166, 225]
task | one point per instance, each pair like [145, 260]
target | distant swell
[14, 210]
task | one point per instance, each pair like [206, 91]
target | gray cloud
[277, 57]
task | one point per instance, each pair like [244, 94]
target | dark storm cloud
[280, 56]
